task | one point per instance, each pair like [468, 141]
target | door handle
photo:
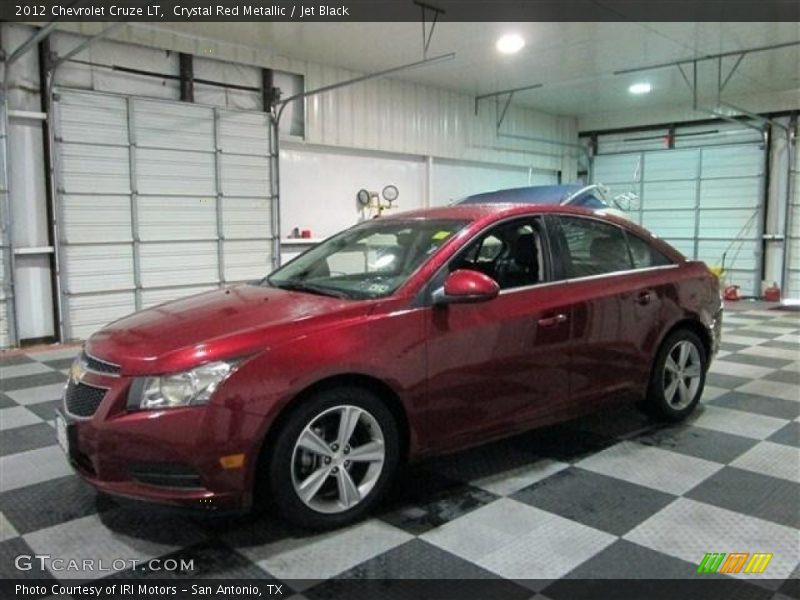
[552, 321]
[644, 298]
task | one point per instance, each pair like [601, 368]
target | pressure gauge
[390, 193]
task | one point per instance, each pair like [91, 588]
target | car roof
[476, 212]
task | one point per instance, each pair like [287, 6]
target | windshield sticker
[440, 235]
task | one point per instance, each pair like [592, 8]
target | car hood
[211, 326]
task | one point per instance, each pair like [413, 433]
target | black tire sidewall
[656, 403]
[281, 488]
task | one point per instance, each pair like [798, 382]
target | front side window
[370, 260]
[510, 253]
[593, 247]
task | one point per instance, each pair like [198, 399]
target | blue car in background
[592, 197]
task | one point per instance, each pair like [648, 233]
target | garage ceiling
[575, 61]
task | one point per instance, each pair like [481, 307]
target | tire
[675, 388]
[349, 479]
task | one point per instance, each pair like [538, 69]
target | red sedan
[404, 336]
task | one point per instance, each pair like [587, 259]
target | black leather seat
[609, 254]
[522, 266]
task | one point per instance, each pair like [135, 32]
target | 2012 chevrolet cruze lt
[401, 337]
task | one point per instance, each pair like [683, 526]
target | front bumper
[170, 457]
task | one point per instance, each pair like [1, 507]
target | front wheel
[678, 377]
[333, 458]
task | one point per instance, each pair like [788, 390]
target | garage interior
[145, 163]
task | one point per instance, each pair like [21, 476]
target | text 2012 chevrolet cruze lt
[401, 337]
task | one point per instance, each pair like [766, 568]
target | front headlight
[190, 388]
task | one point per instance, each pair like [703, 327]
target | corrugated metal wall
[703, 197]
[384, 114]
[157, 200]
[793, 243]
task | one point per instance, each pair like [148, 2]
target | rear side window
[593, 247]
[644, 255]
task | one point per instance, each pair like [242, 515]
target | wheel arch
[368, 382]
[695, 326]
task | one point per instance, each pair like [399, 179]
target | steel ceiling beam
[687, 61]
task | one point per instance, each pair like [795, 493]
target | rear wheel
[678, 377]
[333, 458]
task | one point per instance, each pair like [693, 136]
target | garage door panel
[98, 268]
[244, 133]
[617, 168]
[88, 219]
[175, 126]
[178, 263]
[165, 218]
[246, 261]
[174, 172]
[165, 229]
[670, 223]
[729, 223]
[92, 119]
[669, 195]
[671, 165]
[89, 313]
[245, 176]
[739, 255]
[86, 169]
[246, 218]
[731, 193]
[684, 246]
[152, 298]
[734, 161]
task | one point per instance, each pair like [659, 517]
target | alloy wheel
[683, 373]
[337, 459]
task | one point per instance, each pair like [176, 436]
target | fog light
[232, 461]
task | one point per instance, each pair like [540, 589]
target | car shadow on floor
[425, 495]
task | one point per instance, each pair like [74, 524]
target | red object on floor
[731, 293]
[772, 293]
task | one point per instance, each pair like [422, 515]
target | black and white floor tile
[610, 496]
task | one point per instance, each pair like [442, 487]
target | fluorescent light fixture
[511, 43]
[640, 88]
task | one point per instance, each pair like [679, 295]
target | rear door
[612, 310]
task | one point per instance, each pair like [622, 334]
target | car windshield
[370, 260]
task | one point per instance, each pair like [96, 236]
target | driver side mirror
[464, 286]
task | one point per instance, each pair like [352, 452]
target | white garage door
[793, 257]
[157, 200]
[706, 201]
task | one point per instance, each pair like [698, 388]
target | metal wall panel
[95, 219]
[174, 172]
[246, 260]
[147, 194]
[173, 264]
[169, 218]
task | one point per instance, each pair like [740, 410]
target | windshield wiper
[301, 286]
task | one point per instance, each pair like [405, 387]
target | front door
[498, 365]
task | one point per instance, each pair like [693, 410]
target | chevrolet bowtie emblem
[77, 371]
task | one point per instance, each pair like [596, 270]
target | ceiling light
[511, 43]
[640, 88]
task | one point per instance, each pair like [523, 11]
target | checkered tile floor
[609, 496]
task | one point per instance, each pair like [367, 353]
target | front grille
[82, 400]
[99, 366]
